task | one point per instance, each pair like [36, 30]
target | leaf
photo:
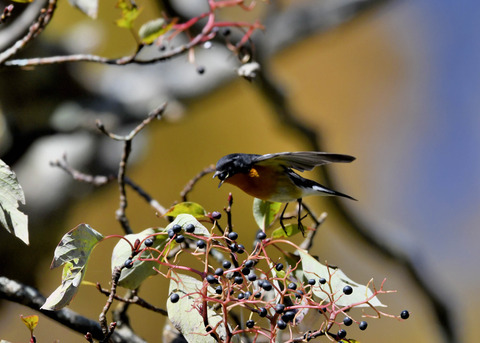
[289, 231]
[153, 29]
[129, 14]
[73, 252]
[22, 1]
[89, 7]
[185, 314]
[11, 193]
[313, 269]
[30, 321]
[185, 219]
[132, 278]
[187, 207]
[265, 212]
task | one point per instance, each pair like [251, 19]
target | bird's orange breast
[266, 183]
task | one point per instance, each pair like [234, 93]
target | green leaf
[265, 212]
[11, 193]
[30, 321]
[312, 269]
[151, 30]
[289, 231]
[132, 278]
[129, 14]
[187, 207]
[73, 252]
[185, 315]
[89, 7]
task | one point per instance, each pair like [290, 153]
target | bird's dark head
[233, 164]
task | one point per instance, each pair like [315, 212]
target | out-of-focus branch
[29, 296]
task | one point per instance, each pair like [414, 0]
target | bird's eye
[222, 176]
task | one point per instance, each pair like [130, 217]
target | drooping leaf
[185, 314]
[30, 321]
[289, 231]
[153, 29]
[130, 12]
[187, 207]
[11, 193]
[89, 7]
[312, 269]
[73, 252]
[265, 212]
[132, 277]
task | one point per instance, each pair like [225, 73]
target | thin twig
[96, 180]
[103, 315]
[35, 29]
[189, 186]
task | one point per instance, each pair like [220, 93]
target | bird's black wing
[301, 160]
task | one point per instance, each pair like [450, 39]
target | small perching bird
[271, 177]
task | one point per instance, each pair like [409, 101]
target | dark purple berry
[215, 214]
[363, 325]
[241, 249]
[347, 321]
[211, 279]
[219, 271]
[281, 324]
[250, 324]
[226, 264]
[238, 280]
[258, 295]
[174, 298]
[311, 282]
[148, 242]
[405, 314]
[219, 290]
[279, 266]
[128, 263]
[246, 271]
[279, 308]
[249, 263]
[262, 312]
[241, 296]
[267, 286]
[233, 235]
[341, 333]
[322, 281]
[347, 290]
[190, 228]
[248, 294]
[292, 286]
[233, 247]
[201, 70]
[251, 277]
[201, 244]
[176, 228]
[180, 239]
[170, 233]
[261, 235]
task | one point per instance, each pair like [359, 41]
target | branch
[29, 296]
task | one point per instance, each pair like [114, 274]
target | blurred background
[393, 83]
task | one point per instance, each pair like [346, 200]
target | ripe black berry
[347, 290]
[201, 70]
[211, 279]
[233, 235]
[322, 281]
[250, 324]
[341, 333]
[281, 324]
[148, 242]
[215, 214]
[347, 321]
[258, 295]
[174, 298]
[405, 314]
[267, 285]
[279, 308]
[176, 228]
[279, 266]
[262, 312]
[180, 239]
[261, 235]
[289, 315]
[249, 263]
[241, 249]
[248, 294]
[219, 271]
[201, 244]
[170, 233]
[251, 277]
[219, 290]
[363, 325]
[190, 228]
[311, 282]
[226, 264]
[241, 296]
[128, 263]
[246, 271]
[238, 280]
[292, 286]
[233, 247]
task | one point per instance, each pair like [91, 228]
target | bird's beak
[221, 181]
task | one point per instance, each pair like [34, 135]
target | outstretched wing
[301, 160]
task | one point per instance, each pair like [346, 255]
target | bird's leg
[299, 217]
[281, 218]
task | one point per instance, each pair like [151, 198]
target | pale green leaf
[187, 207]
[73, 252]
[265, 212]
[89, 7]
[151, 30]
[11, 193]
[289, 231]
[129, 14]
[132, 278]
[313, 269]
[185, 315]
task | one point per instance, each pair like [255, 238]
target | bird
[271, 177]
